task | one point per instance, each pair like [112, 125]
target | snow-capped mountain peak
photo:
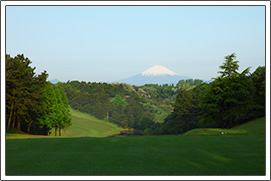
[158, 70]
[155, 75]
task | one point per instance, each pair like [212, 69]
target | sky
[110, 43]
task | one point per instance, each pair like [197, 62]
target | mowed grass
[250, 128]
[138, 155]
[240, 154]
[83, 125]
[21, 135]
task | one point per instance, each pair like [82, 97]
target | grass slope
[250, 128]
[83, 125]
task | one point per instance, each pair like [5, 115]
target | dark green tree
[229, 98]
[117, 113]
[23, 93]
[186, 112]
[258, 78]
[230, 66]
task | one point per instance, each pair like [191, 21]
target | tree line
[230, 100]
[33, 105]
[141, 108]
[117, 103]
[36, 106]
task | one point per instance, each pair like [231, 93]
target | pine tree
[229, 98]
[23, 90]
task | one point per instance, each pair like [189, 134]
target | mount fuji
[154, 75]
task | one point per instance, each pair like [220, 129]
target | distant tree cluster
[29, 102]
[116, 103]
[189, 83]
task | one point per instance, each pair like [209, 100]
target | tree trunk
[48, 130]
[18, 123]
[11, 111]
[55, 131]
[28, 127]
[59, 131]
[13, 124]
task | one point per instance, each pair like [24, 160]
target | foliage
[49, 116]
[230, 66]
[189, 83]
[258, 78]
[23, 94]
[125, 105]
[229, 98]
[32, 104]
[186, 112]
[56, 111]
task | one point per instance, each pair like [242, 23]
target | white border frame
[192, 3]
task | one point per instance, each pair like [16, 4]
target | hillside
[85, 125]
[253, 127]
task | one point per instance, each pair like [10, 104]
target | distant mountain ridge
[154, 75]
[55, 81]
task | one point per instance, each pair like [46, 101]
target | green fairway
[212, 154]
[153, 155]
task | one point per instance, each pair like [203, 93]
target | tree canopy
[36, 106]
[228, 100]
[30, 99]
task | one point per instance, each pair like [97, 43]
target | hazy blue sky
[109, 43]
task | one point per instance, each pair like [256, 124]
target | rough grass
[252, 127]
[138, 155]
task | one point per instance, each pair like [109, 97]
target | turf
[212, 154]
[250, 128]
[83, 125]
[135, 155]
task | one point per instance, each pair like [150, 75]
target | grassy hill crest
[253, 127]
